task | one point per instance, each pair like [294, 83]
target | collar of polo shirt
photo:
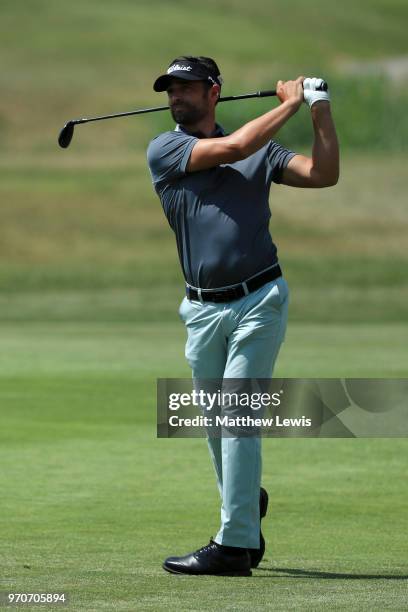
[219, 131]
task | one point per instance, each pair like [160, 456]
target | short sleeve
[278, 159]
[168, 155]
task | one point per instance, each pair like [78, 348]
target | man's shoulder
[169, 136]
[167, 142]
[160, 139]
[168, 155]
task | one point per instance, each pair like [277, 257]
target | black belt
[236, 291]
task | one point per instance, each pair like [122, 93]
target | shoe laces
[207, 548]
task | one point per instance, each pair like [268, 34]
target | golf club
[67, 132]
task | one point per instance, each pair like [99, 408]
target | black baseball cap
[188, 70]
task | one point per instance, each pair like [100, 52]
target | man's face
[189, 101]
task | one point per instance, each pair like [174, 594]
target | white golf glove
[310, 92]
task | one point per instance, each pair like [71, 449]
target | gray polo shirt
[220, 216]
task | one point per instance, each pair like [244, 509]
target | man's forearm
[325, 153]
[210, 152]
[256, 133]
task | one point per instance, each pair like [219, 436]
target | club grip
[266, 93]
[272, 92]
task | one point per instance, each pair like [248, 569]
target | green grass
[112, 350]
[93, 244]
[92, 502]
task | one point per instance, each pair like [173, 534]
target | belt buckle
[219, 296]
[228, 295]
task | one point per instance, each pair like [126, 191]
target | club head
[65, 135]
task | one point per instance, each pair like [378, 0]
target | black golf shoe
[213, 560]
[256, 554]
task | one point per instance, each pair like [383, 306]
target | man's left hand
[312, 94]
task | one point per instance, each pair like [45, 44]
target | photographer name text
[241, 421]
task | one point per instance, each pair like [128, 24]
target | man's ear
[217, 90]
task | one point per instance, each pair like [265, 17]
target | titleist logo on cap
[178, 67]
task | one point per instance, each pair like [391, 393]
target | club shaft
[257, 94]
[67, 131]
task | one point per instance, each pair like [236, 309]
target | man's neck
[206, 127]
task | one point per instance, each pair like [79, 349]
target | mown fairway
[91, 501]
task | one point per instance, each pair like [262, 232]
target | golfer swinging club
[214, 189]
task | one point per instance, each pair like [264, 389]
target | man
[214, 189]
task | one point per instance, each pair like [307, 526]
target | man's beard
[187, 114]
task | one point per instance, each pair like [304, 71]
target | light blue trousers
[239, 339]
